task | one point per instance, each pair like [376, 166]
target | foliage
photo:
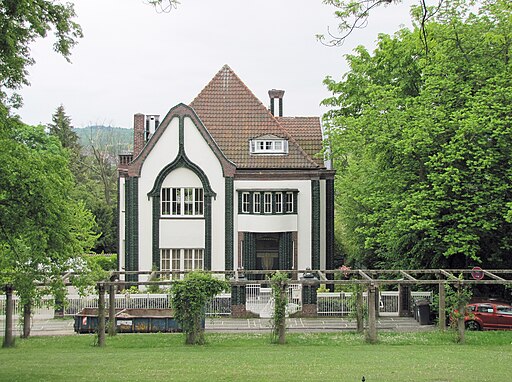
[279, 283]
[422, 143]
[23, 21]
[43, 230]
[105, 262]
[188, 299]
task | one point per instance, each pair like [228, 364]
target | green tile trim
[156, 233]
[229, 226]
[132, 227]
[315, 224]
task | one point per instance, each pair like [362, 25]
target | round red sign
[477, 273]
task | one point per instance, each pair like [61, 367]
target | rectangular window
[181, 260]
[268, 146]
[176, 201]
[188, 201]
[267, 202]
[257, 203]
[165, 262]
[289, 202]
[188, 259]
[165, 199]
[246, 204]
[182, 202]
[279, 202]
[199, 201]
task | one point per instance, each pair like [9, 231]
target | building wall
[301, 222]
[180, 233]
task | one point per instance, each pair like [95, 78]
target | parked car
[488, 315]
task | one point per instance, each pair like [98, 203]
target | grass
[423, 356]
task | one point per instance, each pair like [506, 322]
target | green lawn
[432, 356]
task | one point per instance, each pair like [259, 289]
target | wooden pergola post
[371, 335]
[442, 306]
[112, 310]
[9, 310]
[101, 314]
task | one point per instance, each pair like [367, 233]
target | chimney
[144, 126]
[276, 94]
[138, 133]
[152, 122]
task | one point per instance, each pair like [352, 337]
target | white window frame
[268, 146]
[256, 203]
[181, 259]
[267, 203]
[181, 202]
[289, 202]
[246, 202]
[278, 202]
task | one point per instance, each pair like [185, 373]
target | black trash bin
[423, 307]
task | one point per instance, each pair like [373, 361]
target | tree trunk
[27, 315]
[9, 310]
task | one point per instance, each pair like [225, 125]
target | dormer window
[268, 145]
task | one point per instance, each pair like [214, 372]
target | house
[225, 183]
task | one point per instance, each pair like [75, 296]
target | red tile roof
[233, 115]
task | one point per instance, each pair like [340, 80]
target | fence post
[238, 300]
[371, 335]
[112, 310]
[309, 295]
[442, 306]
[101, 314]
[404, 300]
[9, 310]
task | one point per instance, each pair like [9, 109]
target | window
[181, 260]
[246, 204]
[275, 202]
[268, 146]
[257, 203]
[267, 202]
[182, 202]
[279, 203]
[289, 202]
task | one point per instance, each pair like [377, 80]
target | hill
[114, 139]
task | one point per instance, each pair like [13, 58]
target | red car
[488, 315]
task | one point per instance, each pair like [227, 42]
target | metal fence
[342, 303]
[259, 300]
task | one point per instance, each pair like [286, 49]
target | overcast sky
[135, 60]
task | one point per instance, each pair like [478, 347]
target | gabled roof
[233, 116]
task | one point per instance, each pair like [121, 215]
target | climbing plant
[279, 283]
[188, 299]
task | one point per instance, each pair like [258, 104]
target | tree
[23, 21]
[43, 229]
[188, 299]
[354, 14]
[62, 129]
[422, 144]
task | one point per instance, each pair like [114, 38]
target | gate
[258, 299]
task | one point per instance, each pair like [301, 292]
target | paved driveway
[251, 325]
